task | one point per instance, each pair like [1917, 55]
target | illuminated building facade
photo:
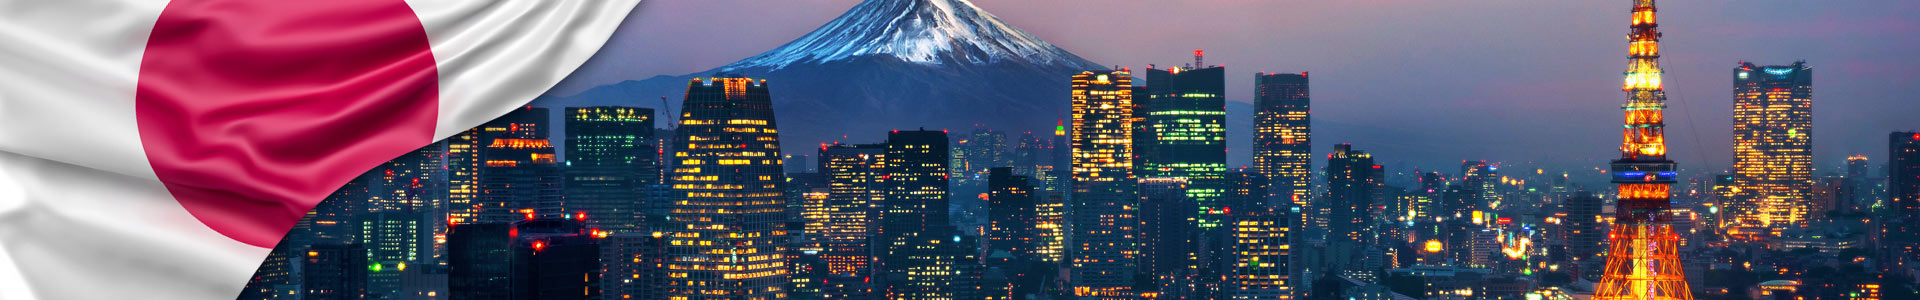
[1185, 123]
[1102, 223]
[632, 266]
[1261, 254]
[1643, 259]
[919, 251]
[1482, 183]
[463, 175]
[395, 241]
[726, 228]
[854, 187]
[1283, 134]
[1772, 146]
[415, 183]
[1010, 213]
[1050, 227]
[1903, 187]
[519, 173]
[1353, 192]
[610, 161]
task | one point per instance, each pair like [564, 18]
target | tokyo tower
[1643, 259]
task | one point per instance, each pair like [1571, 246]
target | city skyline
[1541, 85]
[1135, 195]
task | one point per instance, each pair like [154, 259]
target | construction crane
[671, 124]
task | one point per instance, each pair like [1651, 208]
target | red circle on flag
[253, 111]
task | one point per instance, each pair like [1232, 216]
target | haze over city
[1419, 83]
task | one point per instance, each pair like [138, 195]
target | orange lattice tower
[1643, 260]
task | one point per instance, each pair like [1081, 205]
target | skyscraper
[1643, 259]
[1772, 146]
[1353, 193]
[632, 266]
[854, 186]
[1186, 118]
[520, 174]
[1167, 218]
[1260, 255]
[1283, 134]
[394, 241]
[1586, 233]
[610, 161]
[1103, 203]
[1903, 188]
[726, 233]
[1855, 194]
[920, 240]
[1010, 213]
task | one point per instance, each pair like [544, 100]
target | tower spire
[1643, 257]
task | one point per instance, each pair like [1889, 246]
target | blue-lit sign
[1633, 174]
[1777, 71]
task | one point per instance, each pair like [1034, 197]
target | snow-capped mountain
[917, 31]
[885, 65]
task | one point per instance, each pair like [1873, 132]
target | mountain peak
[917, 31]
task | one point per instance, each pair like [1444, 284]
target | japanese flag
[154, 149]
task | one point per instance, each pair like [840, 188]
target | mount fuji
[885, 65]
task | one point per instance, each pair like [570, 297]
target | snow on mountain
[918, 31]
[885, 65]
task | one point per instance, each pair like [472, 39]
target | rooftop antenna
[1197, 54]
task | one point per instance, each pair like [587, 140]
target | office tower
[332, 221]
[1185, 119]
[1247, 189]
[1167, 228]
[463, 175]
[416, 182]
[476, 261]
[1142, 135]
[1586, 232]
[918, 256]
[1102, 209]
[394, 241]
[1050, 226]
[854, 187]
[1903, 191]
[1261, 254]
[334, 272]
[1643, 259]
[1283, 134]
[806, 195]
[1353, 190]
[1855, 194]
[610, 161]
[520, 174]
[1772, 146]
[1011, 213]
[633, 266]
[726, 235]
[555, 259]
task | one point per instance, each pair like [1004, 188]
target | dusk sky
[1417, 83]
